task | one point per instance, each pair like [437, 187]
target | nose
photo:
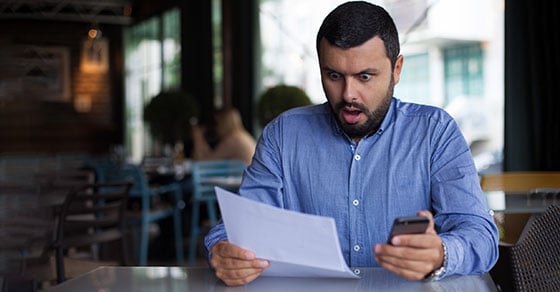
[349, 91]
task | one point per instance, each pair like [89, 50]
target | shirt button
[356, 247]
[355, 202]
[357, 271]
[357, 157]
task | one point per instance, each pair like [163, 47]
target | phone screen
[409, 225]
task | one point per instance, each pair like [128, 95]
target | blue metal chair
[205, 176]
[148, 212]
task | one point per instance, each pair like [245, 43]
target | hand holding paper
[296, 244]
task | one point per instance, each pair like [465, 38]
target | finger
[406, 262]
[405, 257]
[419, 241]
[236, 275]
[416, 273]
[225, 249]
[233, 263]
[238, 281]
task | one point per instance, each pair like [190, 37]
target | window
[287, 37]
[152, 64]
[463, 72]
[416, 79]
[453, 52]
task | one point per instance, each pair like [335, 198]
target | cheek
[332, 91]
[373, 96]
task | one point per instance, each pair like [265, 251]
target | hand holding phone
[409, 225]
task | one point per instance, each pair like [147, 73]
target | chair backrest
[91, 214]
[202, 171]
[106, 170]
[535, 258]
[520, 181]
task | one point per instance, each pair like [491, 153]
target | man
[365, 158]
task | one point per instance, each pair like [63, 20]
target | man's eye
[334, 75]
[365, 77]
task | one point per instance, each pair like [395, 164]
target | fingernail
[263, 264]
[249, 255]
[396, 240]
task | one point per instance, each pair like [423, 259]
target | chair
[91, 214]
[26, 227]
[203, 172]
[527, 182]
[514, 225]
[534, 261]
[151, 206]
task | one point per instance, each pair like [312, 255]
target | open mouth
[351, 115]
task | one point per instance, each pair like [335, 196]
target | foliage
[168, 115]
[278, 99]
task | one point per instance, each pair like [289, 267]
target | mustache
[354, 104]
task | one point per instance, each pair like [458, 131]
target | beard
[374, 118]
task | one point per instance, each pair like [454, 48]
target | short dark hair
[353, 23]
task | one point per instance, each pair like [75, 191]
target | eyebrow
[364, 71]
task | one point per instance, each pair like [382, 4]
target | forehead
[370, 54]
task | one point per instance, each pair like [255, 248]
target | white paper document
[296, 244]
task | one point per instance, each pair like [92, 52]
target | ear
[398, 68]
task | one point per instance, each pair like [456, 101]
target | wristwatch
[439, 271]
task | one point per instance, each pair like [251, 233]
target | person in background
[365, 158]
[233, 141]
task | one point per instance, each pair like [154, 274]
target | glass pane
[453, 58]
[172, 49]
[416, 76]
[142, 81]
[218, 56]
[288, 32]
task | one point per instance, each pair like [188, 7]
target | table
[534, 202]
[227, 182]
[514, 212]
[202, 279]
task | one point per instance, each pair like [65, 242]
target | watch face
[434, 274]
[439, 271]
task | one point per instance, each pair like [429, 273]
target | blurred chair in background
[205, 176]
[91, 214]
[534, 260]
[514, 224]
[151, 205]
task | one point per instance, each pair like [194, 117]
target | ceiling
[92, 11]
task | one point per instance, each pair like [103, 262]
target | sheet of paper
[296, 244]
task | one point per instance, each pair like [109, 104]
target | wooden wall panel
[31, 123]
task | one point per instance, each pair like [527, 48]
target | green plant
[168, 115]
[278, 99]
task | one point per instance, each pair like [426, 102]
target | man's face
[358, 83]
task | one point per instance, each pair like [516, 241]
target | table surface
[229, 182]
[202, 279]
[536, 202]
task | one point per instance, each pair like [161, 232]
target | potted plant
[168, 116]
[278, 99]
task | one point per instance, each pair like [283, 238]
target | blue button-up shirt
[417, 160]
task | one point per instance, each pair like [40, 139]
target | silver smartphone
[409, 225]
